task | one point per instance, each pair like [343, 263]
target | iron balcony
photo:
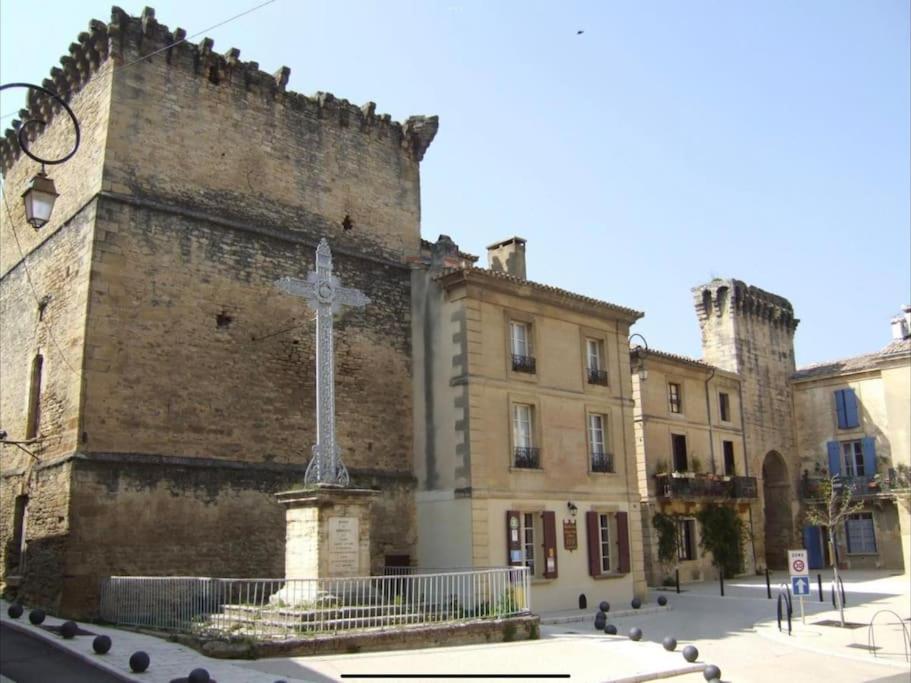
[705, 486]
[523, 363]
[527, 458]
[596, 376]
[602, 462]
[860, 486]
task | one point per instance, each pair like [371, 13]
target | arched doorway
[777, 508]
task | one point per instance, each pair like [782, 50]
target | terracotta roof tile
[896, 349]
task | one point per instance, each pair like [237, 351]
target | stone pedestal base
[327, 537]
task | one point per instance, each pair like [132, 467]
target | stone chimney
[901, 325]
[507, 256]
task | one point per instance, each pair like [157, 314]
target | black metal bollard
[677, 579]
[819, 585]
[721, 580]
[768, 586]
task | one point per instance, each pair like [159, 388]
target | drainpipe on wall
[708, 414]
[626, 464]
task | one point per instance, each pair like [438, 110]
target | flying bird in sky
[579, 32]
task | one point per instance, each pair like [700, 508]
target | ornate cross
[324, 293]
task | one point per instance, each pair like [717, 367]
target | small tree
[831, 510]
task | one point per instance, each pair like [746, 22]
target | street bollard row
[690, 653]
[139, 661]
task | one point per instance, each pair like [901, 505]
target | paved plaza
[737, 632]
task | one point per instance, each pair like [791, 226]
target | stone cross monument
[327, 522]
[323, 292]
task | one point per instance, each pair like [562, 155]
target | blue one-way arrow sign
[800, 585]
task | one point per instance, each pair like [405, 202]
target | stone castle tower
[169, 383]
[751, 332]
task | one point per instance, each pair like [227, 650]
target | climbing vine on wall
[666, 526]
[722, 535]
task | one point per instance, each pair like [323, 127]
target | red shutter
[623, 542]
[550, 544]
[593, 537]
[513, 539]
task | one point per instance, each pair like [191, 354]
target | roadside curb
[769, 631]
[668, 673]
[581, 618]
[40, 634]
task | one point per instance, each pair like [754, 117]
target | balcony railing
[523, 363]
[705, 486]
[877, 484]
[527, 458]
[602, 462]
[596, 376]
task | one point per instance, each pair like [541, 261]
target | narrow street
[28, 660]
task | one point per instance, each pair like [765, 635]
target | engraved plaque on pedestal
[344, 546]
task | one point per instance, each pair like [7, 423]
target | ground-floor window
[608, 542]
[860, 535]
[686, 539]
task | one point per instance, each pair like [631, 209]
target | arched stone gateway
[777, 509]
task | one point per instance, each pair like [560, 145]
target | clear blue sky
[669, 143]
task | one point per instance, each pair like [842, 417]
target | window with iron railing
[602, 462]
[525, 453]
[520, 344]
[527, 457]
[594, 359]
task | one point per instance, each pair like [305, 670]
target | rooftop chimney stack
[906, 309]
[507, 256]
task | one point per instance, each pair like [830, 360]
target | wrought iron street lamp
[40, 195]
[643, 372]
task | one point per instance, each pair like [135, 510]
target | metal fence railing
[293, 608]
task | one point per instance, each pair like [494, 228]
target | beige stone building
[853, 419]
[690, 453]
[524, 450]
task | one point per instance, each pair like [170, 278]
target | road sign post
[799, 569]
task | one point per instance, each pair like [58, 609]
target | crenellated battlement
[734, 297]
[126, 39]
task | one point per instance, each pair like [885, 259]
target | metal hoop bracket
[23, 140]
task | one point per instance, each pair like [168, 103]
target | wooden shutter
[834, 458]
[868, 445]
[851, 416]
[623, 542]
[550, 544]
[840, 409]
[513, 538]
[593, 538]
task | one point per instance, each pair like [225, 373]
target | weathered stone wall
[203, 130]
[751, 332]
[41, 568]
[216, 182]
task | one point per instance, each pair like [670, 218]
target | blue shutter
[851, 416]
[840, 409]
[868, 445]
[834, 458]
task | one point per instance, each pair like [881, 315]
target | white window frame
[604, 540]
[520, 439]
[852, 458]
[530, 530]
[520, 343]
[862, 528]
[593, 354]
[597, 433]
